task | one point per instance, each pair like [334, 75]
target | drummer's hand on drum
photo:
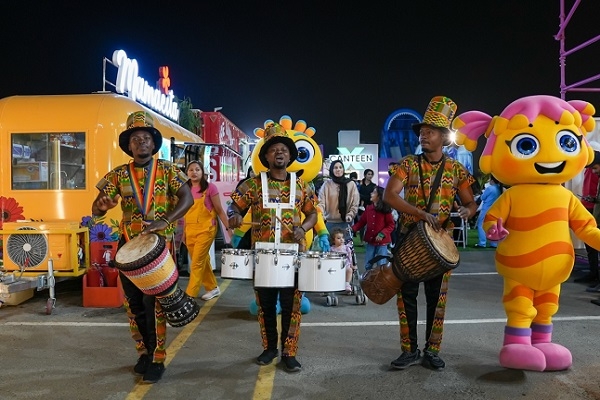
[154, 226]
[430, 219]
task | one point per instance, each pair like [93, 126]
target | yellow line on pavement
[141, 389]
[263, 390]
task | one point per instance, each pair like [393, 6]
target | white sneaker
[212, 294]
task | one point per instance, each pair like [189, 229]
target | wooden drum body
[321, 272]
[237, 263]
[274, 268]
[424, 254]
[380, 284]
[146, 261]
[421, 255]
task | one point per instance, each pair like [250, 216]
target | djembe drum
[148, 264]
[422, 255]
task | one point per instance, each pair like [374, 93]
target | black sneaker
[407, 359]
[267, 357]
[432, 361]
[291, 364]
[154, 373]
[142, 364]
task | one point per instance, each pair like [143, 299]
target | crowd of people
[154, 194]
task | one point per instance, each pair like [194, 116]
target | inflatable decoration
[534, 146]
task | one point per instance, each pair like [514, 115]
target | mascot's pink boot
[518, 353]
[558, 357]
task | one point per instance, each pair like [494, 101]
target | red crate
[102, 297]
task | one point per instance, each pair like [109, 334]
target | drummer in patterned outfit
[152, 201]
[277, 153]
[416, 174]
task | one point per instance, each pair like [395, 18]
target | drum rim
[424, 228]
[144, 260]
[271, 251]
[237, 251]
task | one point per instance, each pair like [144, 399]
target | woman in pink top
[200, 230]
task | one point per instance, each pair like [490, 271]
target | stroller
[361, 299]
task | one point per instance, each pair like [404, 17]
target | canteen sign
[355, 155]
[161, 100]
[352, 159]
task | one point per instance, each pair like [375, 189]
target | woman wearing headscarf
[338, 199]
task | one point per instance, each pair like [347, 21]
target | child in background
[488, 197]
[339, 246]
[379, 224]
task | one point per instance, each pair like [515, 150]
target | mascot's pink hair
[473, 124]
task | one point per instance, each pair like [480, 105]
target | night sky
[333, 64]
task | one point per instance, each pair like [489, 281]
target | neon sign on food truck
[140, 90]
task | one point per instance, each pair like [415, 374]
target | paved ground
[85, 353]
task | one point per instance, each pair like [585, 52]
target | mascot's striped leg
[518, 353]
[558, 357]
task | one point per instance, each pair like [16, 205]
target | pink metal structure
[574, 87]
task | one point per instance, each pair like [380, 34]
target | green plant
[187, 117]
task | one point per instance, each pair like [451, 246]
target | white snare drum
[321, 272]
[237, 263]
[274, 268]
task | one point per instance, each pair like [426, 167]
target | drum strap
[433, 190]
[436, 182]
[144, 196]
[434, 187]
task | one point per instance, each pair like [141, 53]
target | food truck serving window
[52, 161]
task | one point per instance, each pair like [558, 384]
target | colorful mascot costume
[536, 144]
[307, 165]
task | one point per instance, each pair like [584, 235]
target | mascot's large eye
[306, 151]
[524, 146]
[568, 142]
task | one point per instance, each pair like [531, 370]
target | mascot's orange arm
[320, 227]
[499, 209]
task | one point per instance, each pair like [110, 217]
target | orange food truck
[54, 151]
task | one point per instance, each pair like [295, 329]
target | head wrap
[342, 182]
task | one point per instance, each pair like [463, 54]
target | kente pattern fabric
[454, 178]
[169, 179]
[434, 341]
[159, 353]
[249, 195]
